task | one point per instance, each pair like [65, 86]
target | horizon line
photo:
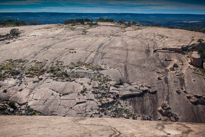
[105, 13]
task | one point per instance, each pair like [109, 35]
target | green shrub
[101, 19]
[14, 32]
[4, 91]
[62, 74]
[12, 104]
[83, 91]
[120, 82]
[33, 69]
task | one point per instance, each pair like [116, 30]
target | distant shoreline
[108, 13]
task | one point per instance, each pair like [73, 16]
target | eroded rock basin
[108, 72]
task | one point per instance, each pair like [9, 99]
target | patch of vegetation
[120, 82]
[83, 91]
[30, 111]
[34, 71]
[49, 27]
[11, 68]
[92, 24]
[84, 32]
[101, 19]
[12, 104]
[14, 32]
[34, 23]
[71, 27]
[201, 48]
[131, 90]
[63, 74]
[71, 49]
[121, 21]
[74, 21]
[12, 22]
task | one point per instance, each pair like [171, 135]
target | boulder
[193, 100]
[152, 91]
[196, 59]
[95, 84]
[159, 109]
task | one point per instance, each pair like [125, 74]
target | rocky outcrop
[47, 81]
[196, 59]
[12, 108]
[76, 90]
[166, 113]
[196, 99]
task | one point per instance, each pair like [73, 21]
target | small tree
[14, 32]
[203, 30]
[200, 40]
[121, 21]
[134, 22]
[128, 24]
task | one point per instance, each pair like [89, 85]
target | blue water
[55, 18]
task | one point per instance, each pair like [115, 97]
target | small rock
[163, 105]
[138, 118]
[148, 86]
[171, 68]
[189, 96]
[164, 119]
[159, 109]
[11, 110]
[178, 91]
[197, 96]
[110, 99]
[23, 112]
[166, 112]
[152, 91]
[144, 88]
[94, 84]
[159, 118]
[193, 100]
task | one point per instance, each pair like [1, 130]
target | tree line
[12, 22]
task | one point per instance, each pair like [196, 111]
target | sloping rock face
[196, 59]
[37, 71]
